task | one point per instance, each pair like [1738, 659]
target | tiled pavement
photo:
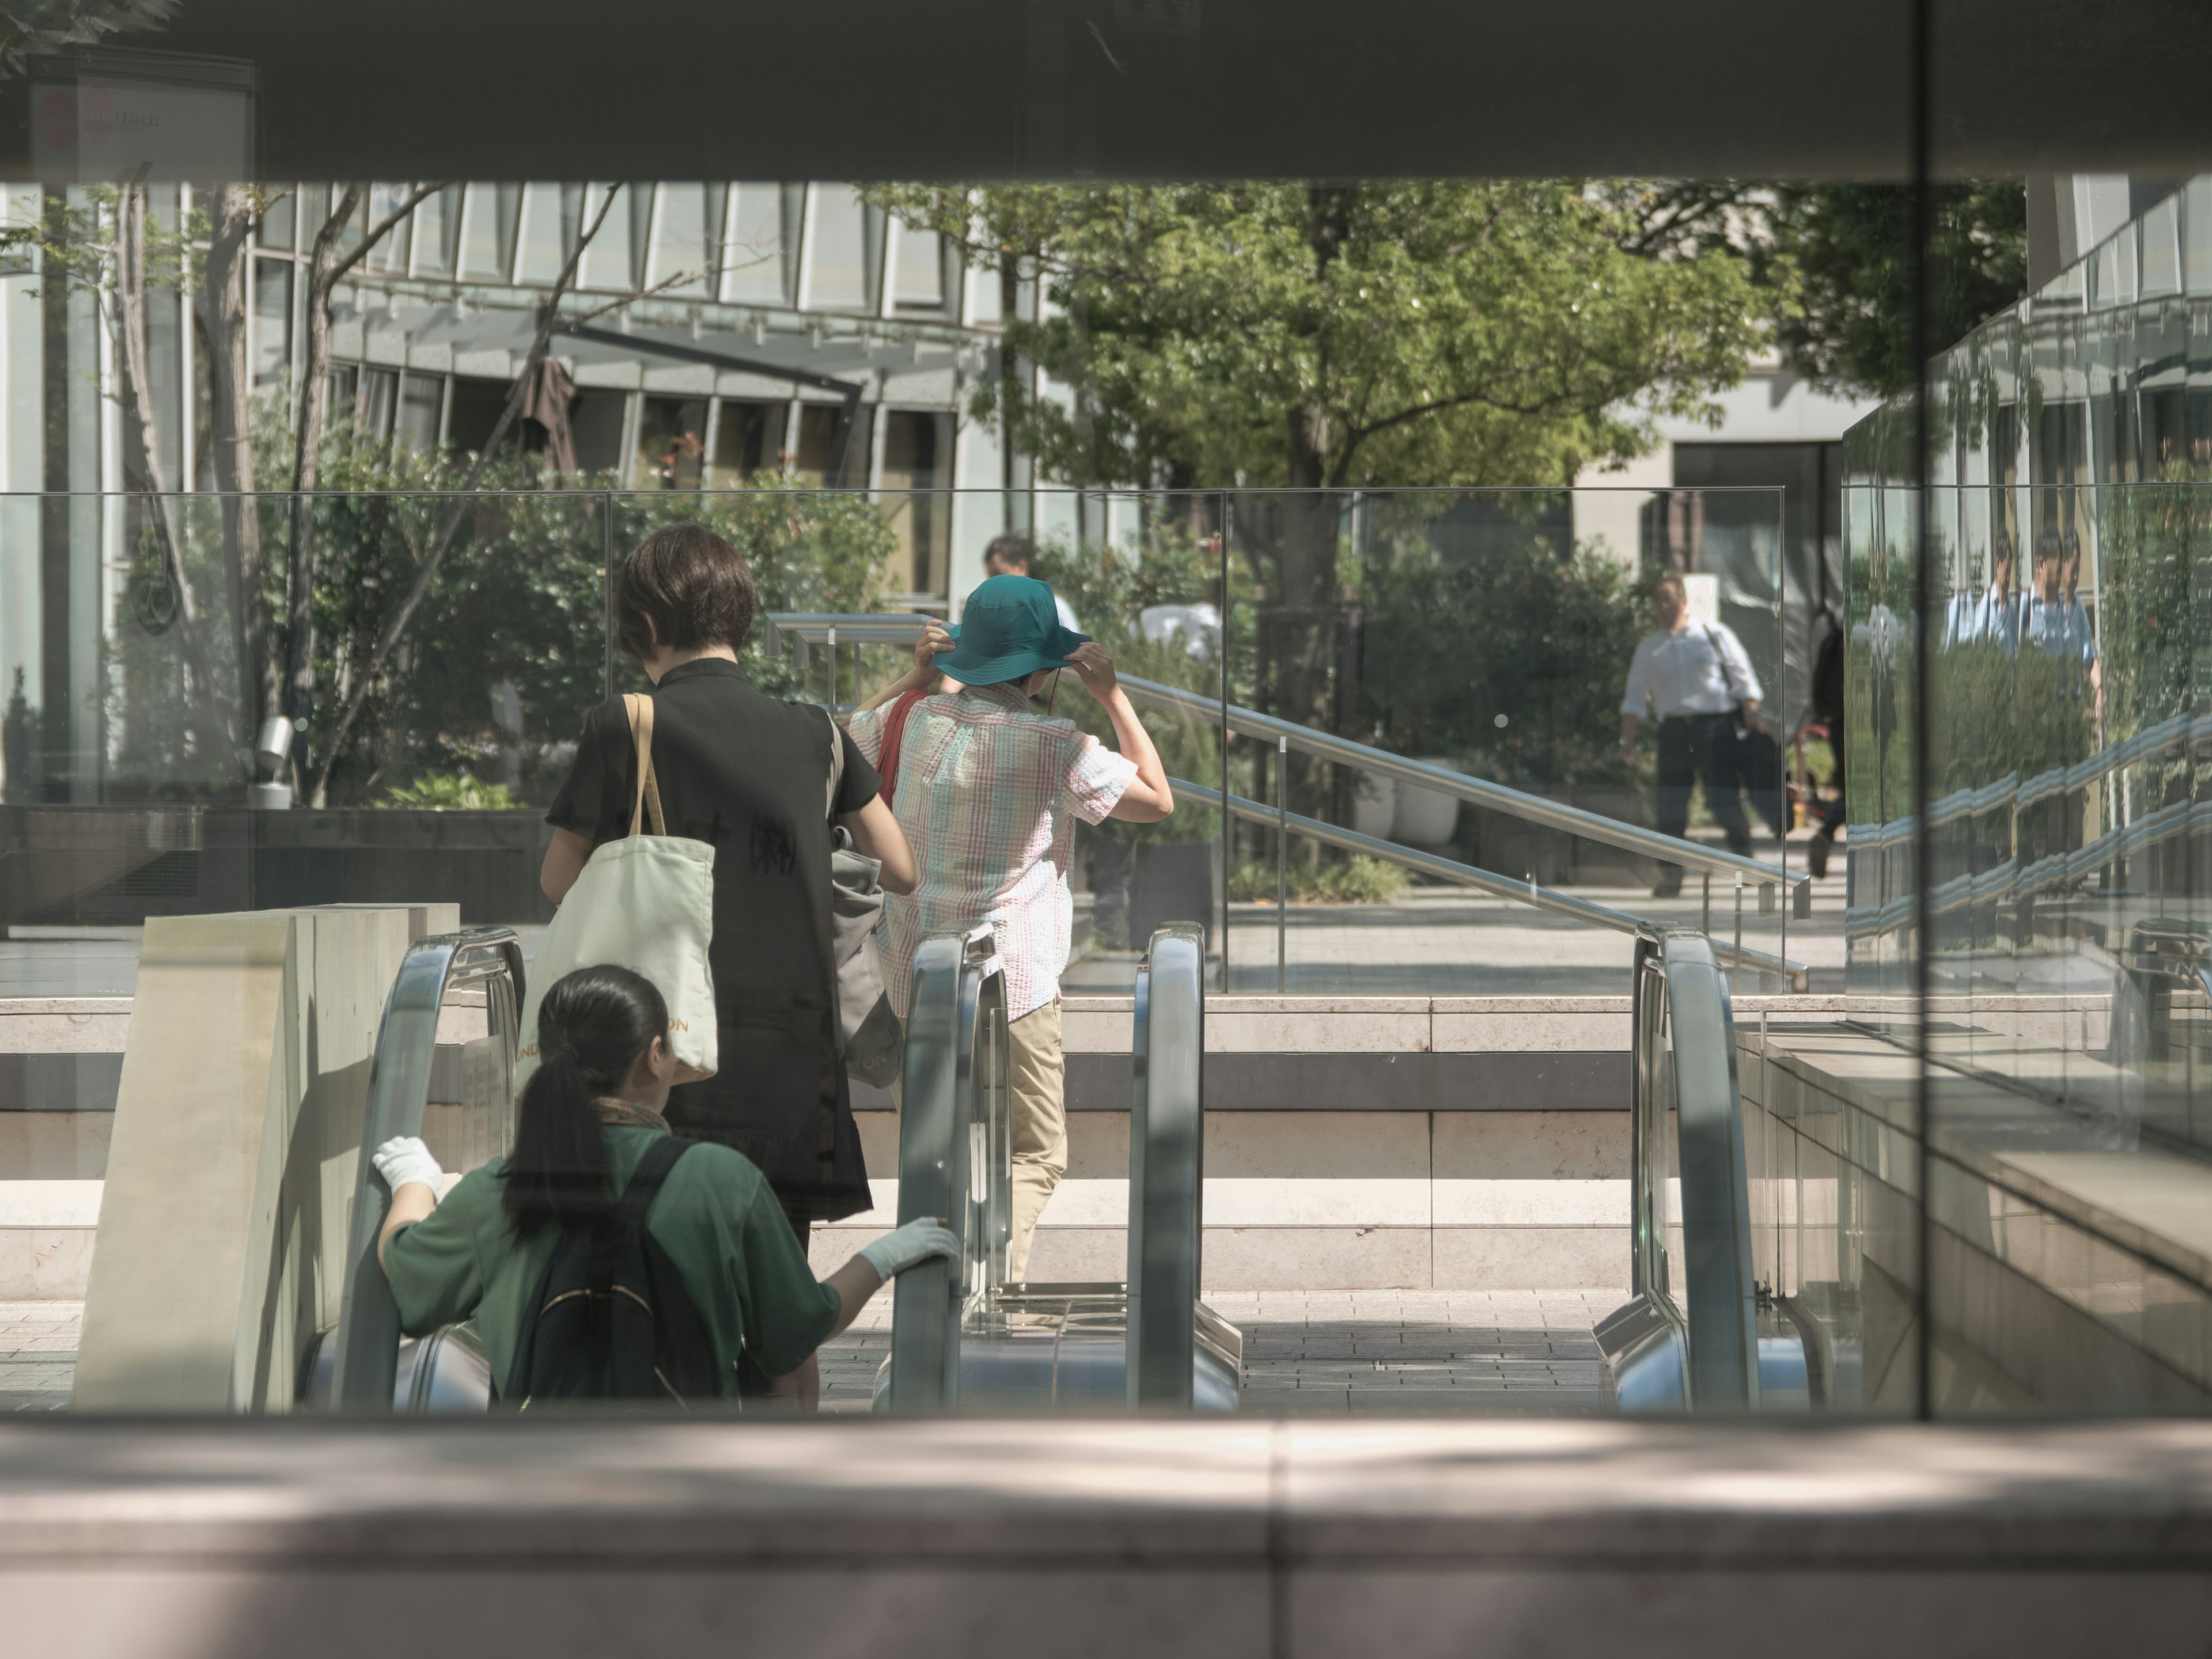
[1305, 1352]
[38, 1354]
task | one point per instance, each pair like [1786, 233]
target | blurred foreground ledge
[1049, 1537]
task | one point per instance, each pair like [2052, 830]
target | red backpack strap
[887, 759]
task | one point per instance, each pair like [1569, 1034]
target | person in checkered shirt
[989, 792]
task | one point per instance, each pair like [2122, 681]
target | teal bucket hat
[1008, 630]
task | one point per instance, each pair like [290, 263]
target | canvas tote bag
[645, 902]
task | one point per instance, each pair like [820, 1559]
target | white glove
[910, 1246]
[403, 1159]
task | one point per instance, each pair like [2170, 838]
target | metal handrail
[1167, 1168]
[1797, 974]
[366, 1341]
[891, 629]
[954, 1159]
[1694, 1346]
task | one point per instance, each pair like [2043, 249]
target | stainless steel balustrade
[1690, 1337]
[892, 629]
[1797, 974]
[1167, 1167]
[980, 1342]
[366, 1370]
[954, 1161]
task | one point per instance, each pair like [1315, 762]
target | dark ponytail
[591, 1027]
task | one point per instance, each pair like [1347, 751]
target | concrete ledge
[1227, 1539]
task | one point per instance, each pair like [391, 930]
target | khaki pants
[1038, 1109]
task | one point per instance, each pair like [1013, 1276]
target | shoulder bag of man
[611, 1319]
[875, 1044]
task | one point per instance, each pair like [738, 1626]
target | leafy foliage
[1357, 879]
[1836, 265]
[452, 792]
[1308, 335]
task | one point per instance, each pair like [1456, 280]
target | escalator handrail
[366, 1340]
[1716, 1277]
[951, 983]
[1167, 1140]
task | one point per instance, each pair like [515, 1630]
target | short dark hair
[1669, 579]
[684, 587]
[1012, 548]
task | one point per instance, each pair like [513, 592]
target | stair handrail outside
[366, 1344]
[1797, 974]
[885, 629]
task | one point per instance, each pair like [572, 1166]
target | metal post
[1706, 926]
[832, 655]
[1735, 970]
[1282, 861]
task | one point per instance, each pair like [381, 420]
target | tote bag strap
[1728, 674]
[639, 709]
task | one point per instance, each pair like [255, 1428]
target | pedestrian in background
[1701, 681]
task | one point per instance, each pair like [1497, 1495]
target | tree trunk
[396, 629]
[325, 266]
[306, 465]
[211, 708]
[222, 314]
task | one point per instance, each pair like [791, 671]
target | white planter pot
[1425, 817]
[1374, 804]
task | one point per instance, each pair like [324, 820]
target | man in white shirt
[1011, 554]
[1992, 614]
[1698, 676]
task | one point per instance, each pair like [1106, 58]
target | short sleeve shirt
[988, 793]
[714, 1216]
[750, 775]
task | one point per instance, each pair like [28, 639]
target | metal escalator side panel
[1166, 1171]
[365, 1357]
[1716, 1277]
[926, 1300]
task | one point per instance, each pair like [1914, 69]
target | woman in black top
[751, 775]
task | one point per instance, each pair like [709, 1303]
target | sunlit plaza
[1165, 830]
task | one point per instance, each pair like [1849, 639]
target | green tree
[1325, 337]
[1836, 266]
[1331, 334]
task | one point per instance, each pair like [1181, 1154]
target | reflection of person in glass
[1012, 554]
[1698, 677]
[1992, 614]
[2057, 622]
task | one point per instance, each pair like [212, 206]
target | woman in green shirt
[589, 1114]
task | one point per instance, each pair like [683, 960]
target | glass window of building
[549, 230]
[672, 445]
[314, 208]
[476, 407]
[817, 437]
[680, 236]
[392, 254]
[272, 322]
[761, 242]
[437, 233]
[595, 422]
[917, 447]
[422, 404]
[491, 218]
[276, 223]
[747, 440]
[605, 264]
[844, 253]
[919, 279]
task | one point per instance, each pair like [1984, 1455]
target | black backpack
[612, 1320]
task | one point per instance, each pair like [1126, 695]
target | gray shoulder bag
[874, 1042]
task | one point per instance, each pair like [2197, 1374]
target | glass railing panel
[1491, 632]
[2066, 947]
